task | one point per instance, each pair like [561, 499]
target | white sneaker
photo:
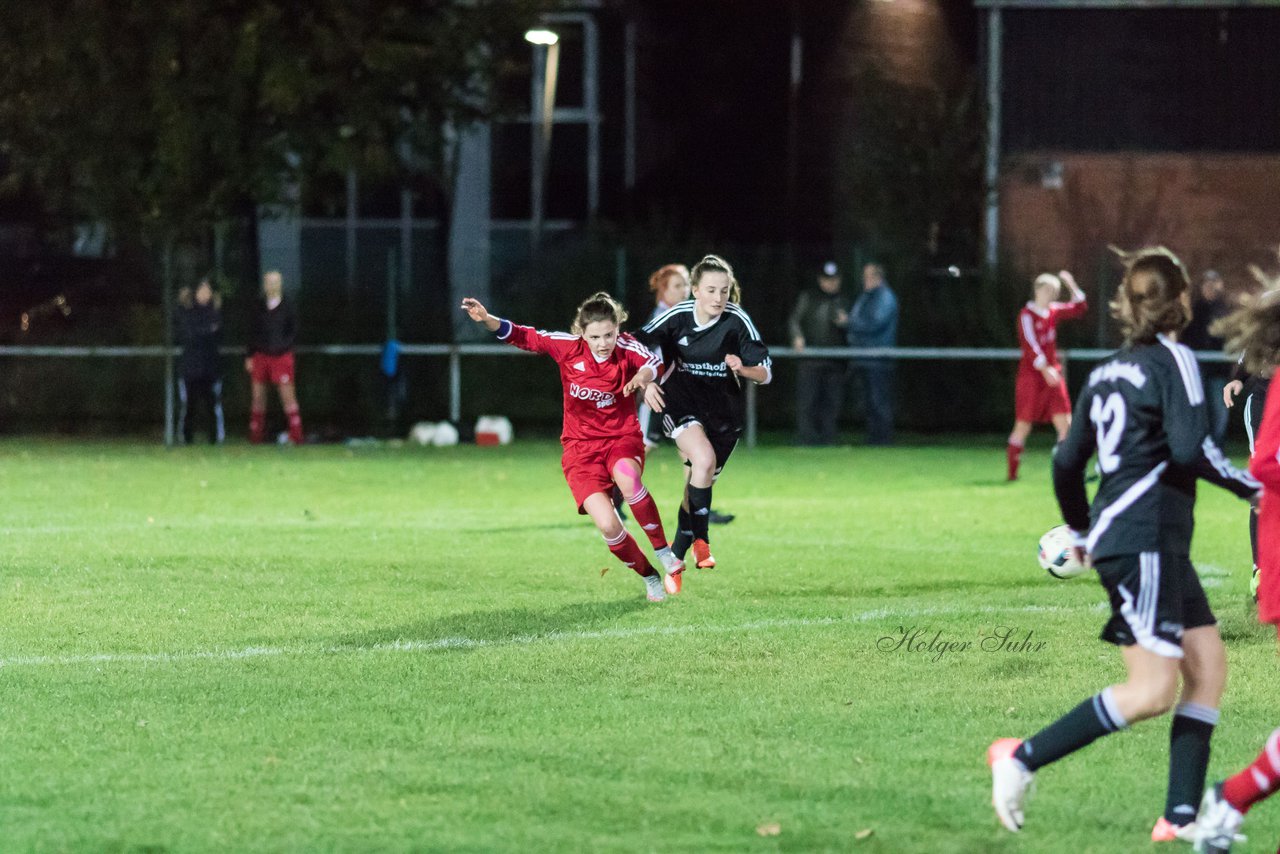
[653, 587]
[1009, 782]
[674, 567]
[1217, 823]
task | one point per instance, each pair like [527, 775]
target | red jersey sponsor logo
[601, 399]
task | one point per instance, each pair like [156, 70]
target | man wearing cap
[819, 320]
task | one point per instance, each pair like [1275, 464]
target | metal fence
[455, 354]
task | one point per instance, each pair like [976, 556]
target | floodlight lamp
[542, 37]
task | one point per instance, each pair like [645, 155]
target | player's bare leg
[1013, 450]
[257, 411]
[1062, 423]
[624, 547]
[626, 474]
[289, 401]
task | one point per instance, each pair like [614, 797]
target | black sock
[684, 534]
[1253, 535]
[1083, 725]
[699, 508]
[1188, 760]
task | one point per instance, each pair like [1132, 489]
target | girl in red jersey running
[603, 447]
[1040, 396]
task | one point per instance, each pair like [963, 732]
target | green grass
[414, 650]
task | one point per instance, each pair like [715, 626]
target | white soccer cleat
[1217, 823]
[674, 567]
[1009, 782]
[653, 587]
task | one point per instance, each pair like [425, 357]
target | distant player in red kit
[272, 331]
[1041, 393]
[600, 368]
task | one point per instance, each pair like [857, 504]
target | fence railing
[455, 353]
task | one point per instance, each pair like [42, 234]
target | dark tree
[163, 119]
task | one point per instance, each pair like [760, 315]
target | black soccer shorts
[1155, 597]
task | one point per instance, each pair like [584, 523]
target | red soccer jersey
[594, 407]
[1265, 466]
[1038, 331]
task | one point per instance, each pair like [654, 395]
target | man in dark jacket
[819, 320]
[873, 322]
[199, 333]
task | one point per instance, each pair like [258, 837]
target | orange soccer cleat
[702, 554]
[674, 568]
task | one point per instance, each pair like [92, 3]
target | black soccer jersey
[1143, 412]
[698, 384]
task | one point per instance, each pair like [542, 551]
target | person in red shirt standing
[1040, 396]
[599, 368]
[272, 332]
[1253, 331]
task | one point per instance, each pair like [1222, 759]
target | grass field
[309, 649]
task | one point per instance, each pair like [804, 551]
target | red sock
[257, 426]
[1014, 452]
[1257, 780]
[295, 425]
[626, 549]
[646, 513]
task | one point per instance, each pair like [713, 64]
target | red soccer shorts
[276, 370]
[588, 463]
[1035, 401]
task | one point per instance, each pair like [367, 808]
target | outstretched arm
[477, 312]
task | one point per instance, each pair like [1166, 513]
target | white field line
[447, 643]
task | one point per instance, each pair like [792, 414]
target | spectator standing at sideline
[272, 332]
[199, 333]
[819, 320]
[873, 322]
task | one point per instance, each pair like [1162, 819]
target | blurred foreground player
[1254, 331]
[1143, 414]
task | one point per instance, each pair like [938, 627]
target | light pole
[546, 68]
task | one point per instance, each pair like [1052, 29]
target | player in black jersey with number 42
[712, 346]
[1143, 413]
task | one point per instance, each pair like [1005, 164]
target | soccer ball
[423, 433]
[1056, 556]
[446, 435]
